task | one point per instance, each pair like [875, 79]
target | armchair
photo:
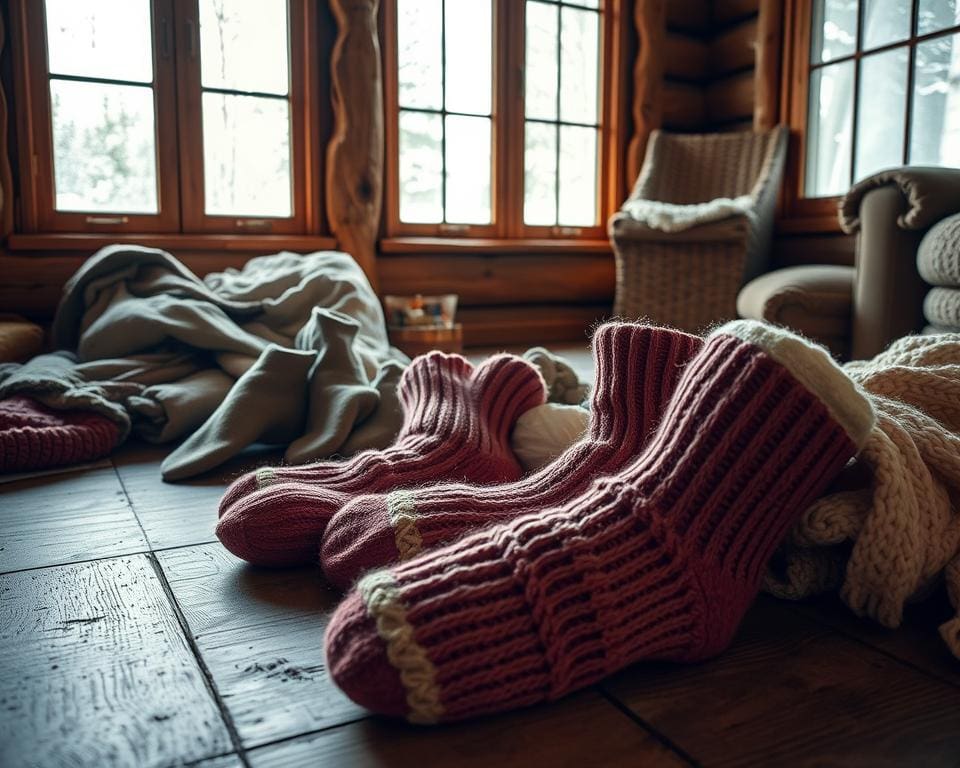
[720, 191]
[857, 311]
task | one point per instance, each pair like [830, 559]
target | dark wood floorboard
[96, 671]
[65, 518]
[791, 691]
[583, 730]
[261, 635]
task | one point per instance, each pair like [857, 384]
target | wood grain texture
[691, 15]
[791, 249]
[583, 730]
[684, 106]
[64, 518]
[260, 633]
[354, 186]
[96, 671]
[178, 514]
[766, 84]
[792, 692]
[733, 49]
[730, 98]
[6, 175]
[650, 20]
[686, 56]
[530, 325]
[502, 279]
[916, 641]
[725, 11]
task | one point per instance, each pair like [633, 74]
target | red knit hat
[33, 436]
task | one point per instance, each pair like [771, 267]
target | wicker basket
[690, 279]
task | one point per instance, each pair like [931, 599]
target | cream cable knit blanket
[901, 517]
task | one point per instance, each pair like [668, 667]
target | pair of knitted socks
[631, 546]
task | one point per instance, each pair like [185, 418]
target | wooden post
[6, 175]
[766, 72]
[354, 188]
[650, 19]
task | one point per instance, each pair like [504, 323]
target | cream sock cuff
[813, 367]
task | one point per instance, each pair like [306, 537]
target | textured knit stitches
[658, 562]
[457, 427]
[33, 436]
[637, 369]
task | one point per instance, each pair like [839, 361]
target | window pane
[421, 168]
[541, 68]
[935, 133]
[834, 32]
[243, 45]
[104, 147]
[579, 65]
[469, 62]
[885, 21]
[937, 14]
[882, 116]
[578, 176]
[468, 170]
[419, 67]
[100, 38]
[246, 155]
[829, 130]
[540, 174]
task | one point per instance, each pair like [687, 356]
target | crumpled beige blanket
[899, 510]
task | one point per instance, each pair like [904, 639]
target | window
[498, 124]
[884, 89]
[166, 116]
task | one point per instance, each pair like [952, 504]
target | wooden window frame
[801, 213]
[177, 100]
[507, 136]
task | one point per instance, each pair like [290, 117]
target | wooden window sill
[87, 242]
[490, 245]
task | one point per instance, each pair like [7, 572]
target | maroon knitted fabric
[33, 436]
[457, 427]
[637, 369]
[659, 561]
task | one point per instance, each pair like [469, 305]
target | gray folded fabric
[290, 349]
[563, 384]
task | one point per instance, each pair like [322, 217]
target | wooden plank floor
[131, 638]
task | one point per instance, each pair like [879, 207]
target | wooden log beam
[354, 183]
[650, 20]
[6, 176]
[766, 86]
[686, 56]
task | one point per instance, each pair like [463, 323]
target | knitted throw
[899, 516]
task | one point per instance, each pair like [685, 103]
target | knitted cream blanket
[900, 513]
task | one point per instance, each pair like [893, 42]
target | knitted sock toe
[457, 422]
[659, 561]
[637, 370]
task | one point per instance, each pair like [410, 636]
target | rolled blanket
[941, 307]
[898, 511]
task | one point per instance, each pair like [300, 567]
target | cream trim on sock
[379, 593]
[265, 476]
[813, 367]
[402, 508]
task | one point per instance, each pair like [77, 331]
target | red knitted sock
[33, 436]
[658, 562]
[457, 427]
[637, 369]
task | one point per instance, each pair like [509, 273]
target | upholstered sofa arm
[930, 194]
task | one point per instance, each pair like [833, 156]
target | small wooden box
[413, 340]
